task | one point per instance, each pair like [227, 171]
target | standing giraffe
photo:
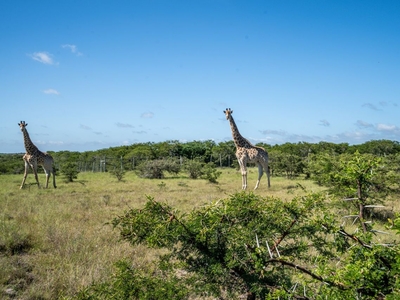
[247, 152]
[34, 157]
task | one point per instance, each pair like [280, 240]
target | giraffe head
[228, 112]
[22, 125]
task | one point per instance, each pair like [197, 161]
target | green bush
[70, 171]
[210, 172]
[118, 172]
[134, 283]
[193, 168]
[155, 169]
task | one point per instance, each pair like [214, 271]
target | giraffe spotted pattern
[246, 152]
[34, 157]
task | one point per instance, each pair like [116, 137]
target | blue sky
[87, 75]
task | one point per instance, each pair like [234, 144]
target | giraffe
[247, 152]
[34, 157]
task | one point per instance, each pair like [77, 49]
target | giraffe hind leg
[36, 176]
[54, 179]
[48, 172]
[260, 174]
[47, 179]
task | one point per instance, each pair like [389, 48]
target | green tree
[262, 248]
[70, 171]
[362, 180]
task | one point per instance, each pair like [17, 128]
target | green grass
[54, 242]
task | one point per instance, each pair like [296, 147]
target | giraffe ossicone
[246, 152]
[34, 157]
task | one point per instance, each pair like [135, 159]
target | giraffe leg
[34, 168]
[25, 175]
[260, 174]
[244, 180]
[48, 174]
[243, 170]
[49, 170]
[54, 178]
[268, 175]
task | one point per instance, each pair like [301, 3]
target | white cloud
[73, 49]
[43, 57]
[385, 127]
[124, 125]
[147, 115]
[51, 92]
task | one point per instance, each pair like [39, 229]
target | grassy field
[53, 242]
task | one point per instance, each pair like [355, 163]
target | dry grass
[69, 244]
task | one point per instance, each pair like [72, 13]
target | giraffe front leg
[25, 175]
[244, 179]
[243, 170]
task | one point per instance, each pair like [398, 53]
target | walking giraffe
[34, 157]
[247, 152]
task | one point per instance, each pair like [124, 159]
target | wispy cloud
[381, 105]
[140, 132]
[273, 132]
[85, 127]
[43, 57]
[147, 115]
[370, 106]
[124, 125]
[324, 123]
[73, 49]
[362, 124]
[51, 92]
[386, 103]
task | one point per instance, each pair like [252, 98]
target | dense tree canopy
[288, 159]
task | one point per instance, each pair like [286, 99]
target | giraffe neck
[237, 137]
[30, 148]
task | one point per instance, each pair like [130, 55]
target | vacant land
[53, 242]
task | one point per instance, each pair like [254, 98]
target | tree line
[288, 159]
